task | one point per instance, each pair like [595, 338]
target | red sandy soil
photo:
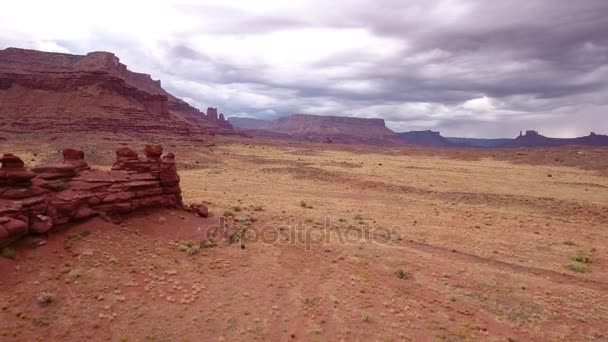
[484, 245]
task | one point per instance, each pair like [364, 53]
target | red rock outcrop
[56, 93]
[35, 201]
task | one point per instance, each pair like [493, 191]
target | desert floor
[326, 242]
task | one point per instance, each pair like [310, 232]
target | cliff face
[534, 139]
[54, 92]
[427, 138]
[337, 129]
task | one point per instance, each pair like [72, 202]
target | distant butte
[314, 128]
[57, 92]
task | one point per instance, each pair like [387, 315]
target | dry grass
[467, 248]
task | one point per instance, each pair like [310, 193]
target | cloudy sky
[475, 68]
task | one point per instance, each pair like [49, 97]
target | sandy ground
[327, 243]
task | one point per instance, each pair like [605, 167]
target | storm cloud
[470, 68]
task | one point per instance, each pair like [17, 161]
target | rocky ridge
[57, 92]
[33, 201]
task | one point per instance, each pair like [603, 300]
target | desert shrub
[188, 247]
[305, 205]
[576, 266]
[366, 318]
[209, 243]
[581, 257]
[358, 217]
[9, 253]
[41, 322]
[45, 299]
[258, 207]
[236, 208]
[228, 213]
[401, 274]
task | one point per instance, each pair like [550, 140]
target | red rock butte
[33, 201]
[57, 92]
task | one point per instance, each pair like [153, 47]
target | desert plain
[325, 242]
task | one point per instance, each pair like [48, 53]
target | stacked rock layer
[33, 201]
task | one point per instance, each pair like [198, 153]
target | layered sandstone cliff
[337, 129]
[56, 92]
[33, 201]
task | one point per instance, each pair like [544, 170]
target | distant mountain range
[348, 130]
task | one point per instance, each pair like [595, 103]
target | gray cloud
[466, 67]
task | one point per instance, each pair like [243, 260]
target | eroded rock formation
[314, 128]
[57, 92]
[33, 201]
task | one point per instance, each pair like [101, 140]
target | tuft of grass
[305, 205]
[9, 253]
[366, 318]
[236, 208]
[581, 257]
[75, 274]
[258, 207]
[578, 267]
[41, 322]
[209, 243]
[188, 247]
[228, 213]
[569, 243]
[45, 299]
[401, 274]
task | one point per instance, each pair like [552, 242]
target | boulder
[200, 210]
[41, 224]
